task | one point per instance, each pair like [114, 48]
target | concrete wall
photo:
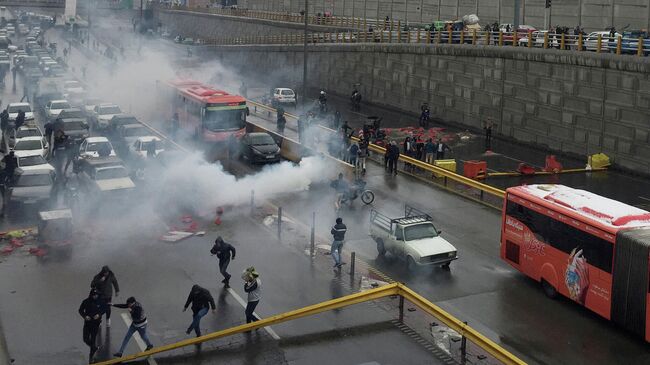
[200, 25]
[590, 14]
[574, 103]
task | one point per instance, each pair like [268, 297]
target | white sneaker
[108, 323]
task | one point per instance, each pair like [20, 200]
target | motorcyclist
[342, 187]
[322, 101]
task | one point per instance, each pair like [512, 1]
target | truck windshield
[420, 231]
[224, 119]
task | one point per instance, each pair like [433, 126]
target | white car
[30, 146]
[606, 42]
[103, 113]
[283, 96]
[142, 144]
[90, 147]
[14, 108]
[54, 108]
[35, 162]
[90, 103]
[72, 86]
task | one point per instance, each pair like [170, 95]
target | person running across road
[225, 252]
[91, 310]
[104, 282]
[253, 287]
[201, 300]
[338, 233]
[138, 323]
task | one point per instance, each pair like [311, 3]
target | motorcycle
[357, 189]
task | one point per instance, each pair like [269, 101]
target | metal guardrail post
[353, 257]
[514, 39]
[562, 41]
[280, 224]
[500, 39]
[474, 37]
[546, 40]
[530, 39]
[487, 38]
[252, 202]
[438, 37]
[428, 36]
[580, 42]
[401, 309]
[463, 349]
[418, 36]
[449, 36]
[639, 47]
[618, 45]
[462, 37]
[599, 43]
[365, 36]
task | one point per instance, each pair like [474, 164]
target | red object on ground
[475, 169]
[217, 221]
[192, 227]
[186, 219]
[7, 250]
[16, 242]
[552, 165]
[525, 169]
[38, 252]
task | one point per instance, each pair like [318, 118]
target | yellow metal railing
[394, 289]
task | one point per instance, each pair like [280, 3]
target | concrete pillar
[70, 9]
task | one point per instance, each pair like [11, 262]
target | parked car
[91, 146]
[77, 129]
[36, 162]
[141, 146]
[31, 187]
[55, 107]
[412, 238]
[607, 43]
[30, 146]
[90, 103]
[72, 86]
[128, 133]
[103, 113]
[283, 96]
[105, 178]
[14, 108]
[259, 147]
[22, 132]
[120, 120]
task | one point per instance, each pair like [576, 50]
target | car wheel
[380, 248]
[410, 264]
[549, 290]
[446, 266]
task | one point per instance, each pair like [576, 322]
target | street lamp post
[304, 58]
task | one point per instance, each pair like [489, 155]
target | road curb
[4, 351]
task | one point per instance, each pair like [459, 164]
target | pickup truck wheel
[446, 266]
[410, 264]
[549, 290]
[380, 248]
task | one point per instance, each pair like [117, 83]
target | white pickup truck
[412, 237]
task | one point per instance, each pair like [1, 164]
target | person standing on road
[488, 133]
[174, 125]
[104, 282]
[253, 287]
[20, 119]
[281, 122]
[201, 300]
[91, 310]
[393, 158]
[138, 323]
[338, 233]
[225, 252]
[4, 121]
[363, 154]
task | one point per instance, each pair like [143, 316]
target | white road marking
[243, 304]
[138, 339]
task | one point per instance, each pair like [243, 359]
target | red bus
[205, 113]
[591, 249]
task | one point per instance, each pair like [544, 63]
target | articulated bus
[591, 249]
[207, 114]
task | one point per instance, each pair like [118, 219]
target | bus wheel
[549, 290]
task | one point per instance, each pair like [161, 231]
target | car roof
[124, 116]
[18, 104]
[148, 139]
[107, 104]
[59, 101]
[132, 126]
[30, 138]
[96, 139]
[35, 172]
[28, 127]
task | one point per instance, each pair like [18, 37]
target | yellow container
[445, 164]
[599, 161]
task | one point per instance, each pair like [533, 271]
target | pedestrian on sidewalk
[489, 123]
[138, 323]
[393, 157]
[253, 287]
[91, 310]
[441, 147]
[104, 282]
[201, 300]
[429, 149]
[225, 252]
[338, 233]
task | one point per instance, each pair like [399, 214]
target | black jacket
[20, 119]
[91, 307]
[137, 312]
[105, 287]
[200, 298]
[224, 250]
[393, 152]
[338, 231]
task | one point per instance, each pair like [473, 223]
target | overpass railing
[600, 44]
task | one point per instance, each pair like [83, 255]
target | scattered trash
[7, 250]
[16, 242]
[38, 252]
[367, 283]
[175, 236]
[411, 309]
[200, 233]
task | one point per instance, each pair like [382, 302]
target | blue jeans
[196, 321]
[141, 330]
[336, 251]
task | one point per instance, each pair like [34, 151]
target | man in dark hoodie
[338, 234]
[91, 310]
[104, 282]
[201, 300]
[138, 323]
[225, 252]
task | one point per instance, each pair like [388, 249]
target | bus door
[630, 281]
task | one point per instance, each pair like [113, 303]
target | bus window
[215, 120]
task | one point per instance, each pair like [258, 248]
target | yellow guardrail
[383, 291]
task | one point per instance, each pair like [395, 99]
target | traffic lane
[478, 276]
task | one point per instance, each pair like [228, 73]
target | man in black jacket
[223, 251]
[20, 119]
[138, 323]
[91, 310]
[104, 282]
[338, 233]
[201, 300]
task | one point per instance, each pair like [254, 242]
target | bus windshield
[216, 120]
